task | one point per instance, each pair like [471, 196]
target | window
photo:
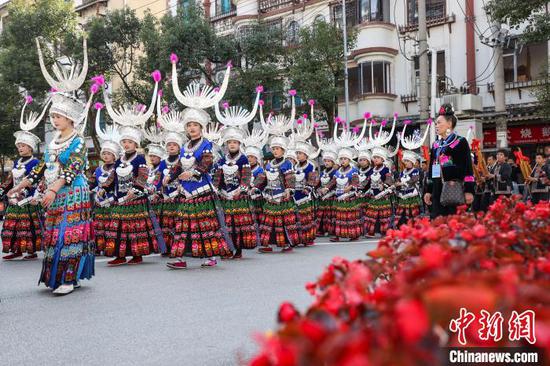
[293, 33]
[375, 77]
[374, 10]
[435, 9]
[440, 70]
[224, 6]
[351, 14]
[524, 62]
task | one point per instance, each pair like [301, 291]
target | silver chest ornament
[124, 173]
[18, 174]
[362, 177]
[376, 180]
[187, 161]
[272, 176]
[325, 179]
[51, 174]
[103, 177]
[230, 174]
[300, 178]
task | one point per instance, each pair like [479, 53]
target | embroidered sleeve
[140, 180]
[6, 185]
[205, 164]
[246, 177]
[260, 181]
[175, 171]
[289, 180]
[355, 180]
[330, 185]
[74, 167]
[313, 180]
[217, 177]
[92, 181]
[37, 173]
[110, 181]
[388, 179]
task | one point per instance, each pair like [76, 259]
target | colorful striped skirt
[278, 225]
[69, 246]
[102, 220]
[307, 225]
[325, 217]
[130, 232]
[21, 232]
[240, 223]
[407, 209]
[378, 215]
[198, 232]
[347, 219]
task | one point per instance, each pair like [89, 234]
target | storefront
[531, 138]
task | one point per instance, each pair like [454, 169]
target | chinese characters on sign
[520, 326]
[518, 135]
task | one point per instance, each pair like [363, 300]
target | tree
[19, 68]
[534, 15]
[317, 65]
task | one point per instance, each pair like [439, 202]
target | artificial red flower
[287, 313]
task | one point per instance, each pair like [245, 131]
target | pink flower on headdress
[442, 111]
[260, 89]
[53, 90]
[443, 159]
[384, 123]
[338, 120]
[94, 88]
[160, 93]
[374, 121]
[367, 115]
[292, 92]
[98, 106]
[395, 115]
[304, 116]
[229, 64]
[311, 102]
[321, 134]
[429, 121]
[261, 102]
[356, 129]
[28, 99]
[217, 89]
[156, 76]
[99, 79]
[140, 107]
[299, 121]
[315, 125]
[165, 109]
[173, 58]
[407, 122]
[225, 105]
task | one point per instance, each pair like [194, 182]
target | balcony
[266, 6]
[89, 3]
[223, 12]
[436, 14]
[519, 85]
[222, 21]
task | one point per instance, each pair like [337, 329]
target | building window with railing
[351, 14]
[375, 77]
[524, 62]
[440, 70]
[293, 33]
[374, 10]
[224, 7]
[435, 9]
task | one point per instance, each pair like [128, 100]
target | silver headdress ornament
[171, 121]
[348, 138]
[413, 142]
[25, 136]
[156, 138]
[198, 95]
[328, 148]
[232, 133]
[238, 116]
[279, 124]
[132, 116]
[254, 142]
[109, 136]
[303, 130]
[68, 80]
[212, 132]
[364, 148]
[382, 137]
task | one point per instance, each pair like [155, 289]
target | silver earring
[448, 131]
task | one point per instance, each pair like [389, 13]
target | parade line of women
[204, 190]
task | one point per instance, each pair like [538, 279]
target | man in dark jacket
[502, 176]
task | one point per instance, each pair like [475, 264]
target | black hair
[447, 111]
[492, 155]
[503, 152]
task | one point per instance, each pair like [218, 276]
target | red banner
[520, 135]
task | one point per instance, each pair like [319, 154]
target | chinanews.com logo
[490, 328]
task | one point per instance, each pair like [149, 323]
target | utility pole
[423, 100]
[346, 76]
[500, 100]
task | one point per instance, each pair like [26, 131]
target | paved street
[150, 315]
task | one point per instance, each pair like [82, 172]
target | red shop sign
[519, 135]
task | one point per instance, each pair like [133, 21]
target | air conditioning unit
[463, 103]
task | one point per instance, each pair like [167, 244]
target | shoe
[177, 265]
[165, 255]
[12, 256]
[287, 249]
[210, 263]
[117, 262]
[30, 257]
[64, 290]
[136, 260]
[265, 250]
[309, 244]
[335, 239]
[237, 256]
[77, 284]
